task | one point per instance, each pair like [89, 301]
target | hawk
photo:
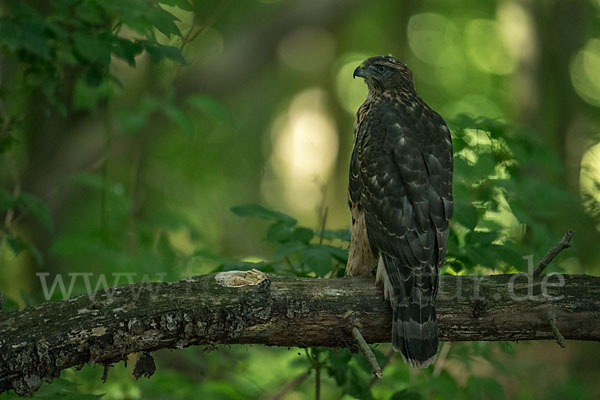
[400, 196]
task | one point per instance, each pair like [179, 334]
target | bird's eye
[381, 68]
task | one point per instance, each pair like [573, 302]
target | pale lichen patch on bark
[240, 278]
[98, 331]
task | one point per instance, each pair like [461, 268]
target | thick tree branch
[37, 343]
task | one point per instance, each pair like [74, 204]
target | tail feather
[414, 324]
[414, 334]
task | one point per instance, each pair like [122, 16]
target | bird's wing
[361, 125]
[395, 192]
[438, 159]
[406, 180]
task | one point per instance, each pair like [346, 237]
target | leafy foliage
[299, 250]
[76, 40]
[64, 53]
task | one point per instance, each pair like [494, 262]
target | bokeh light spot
[305, 148]
[589, 179]
[486, 49]
[585, 74]
[432, 36]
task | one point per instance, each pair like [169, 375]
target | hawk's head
[383, 73]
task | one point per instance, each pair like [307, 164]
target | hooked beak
[359, 71]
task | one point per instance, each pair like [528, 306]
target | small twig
[291, 385]
[560, 339]
[105, 373]
[289, 263]
[368, 353]
[385, 362]
[564, 243]
[323, 225]
[193, 33]
[441, 360]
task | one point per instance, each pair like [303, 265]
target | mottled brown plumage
[400, 195]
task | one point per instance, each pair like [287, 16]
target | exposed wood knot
[241, 278]
[479, 309]
[144, 366]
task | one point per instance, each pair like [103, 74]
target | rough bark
[251, 307]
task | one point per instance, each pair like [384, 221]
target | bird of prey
[400, 196]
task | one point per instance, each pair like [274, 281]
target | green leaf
[92, 14]
[183, 4]
[35, 253]
[458, 143]
[181, 118]
[303, 234]
[163, 20]
[485, 165]
[64, 390]
[27, 299]
[480, 238]
[336, 252]
[331, 234]
[357, 386]
[338, 368]
[164, 250]
[94, 76]
[289, 248]
[131, 121]
[158, 51]
[16, 243]
[134, 120]
[465, 213]
[6, 200]
[506, 255]
[9, 305]
[86, 96]
[507, 347]
[210, 106]
[406, 394]
[93, 48]
[279, 232]
[10, 34]
[32, 205]
[33, 37]
[126, 50]
[258, 211]
[317, 258]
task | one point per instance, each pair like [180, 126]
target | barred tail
[414, 334]
[414, 326]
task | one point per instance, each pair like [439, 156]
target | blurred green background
[128, 130]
